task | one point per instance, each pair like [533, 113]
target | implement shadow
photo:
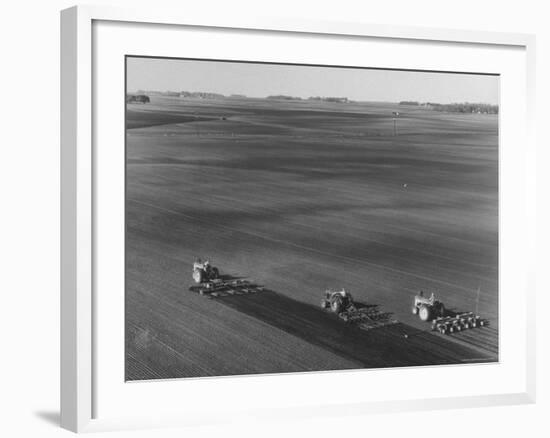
[388, 346]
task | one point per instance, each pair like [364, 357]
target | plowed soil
[301, 197]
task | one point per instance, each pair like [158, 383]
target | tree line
[464, 107]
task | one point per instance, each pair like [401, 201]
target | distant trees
[193, 94]
[137, 98]
[283, 97]
[312, 98]
[142, 95]
[330, 99]
[466, 107]
[200, 95]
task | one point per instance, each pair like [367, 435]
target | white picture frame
[79, 199]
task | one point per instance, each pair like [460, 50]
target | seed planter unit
[457, 323]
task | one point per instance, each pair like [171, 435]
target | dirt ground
[300, 197]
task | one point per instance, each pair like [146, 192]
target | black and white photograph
[287, 218]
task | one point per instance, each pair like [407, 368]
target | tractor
[204, 271]
[337, 301]
[427, 308]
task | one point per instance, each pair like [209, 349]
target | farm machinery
[219, 288]
[459, 322]
[430, 309]
[204, 271]
[337, 301]
[340, 302]
[209, 282]
[427, 308]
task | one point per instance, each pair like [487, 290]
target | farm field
[302, 196]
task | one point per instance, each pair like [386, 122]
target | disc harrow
[367, 318]
[219, 288]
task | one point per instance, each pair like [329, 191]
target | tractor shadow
[386, 346]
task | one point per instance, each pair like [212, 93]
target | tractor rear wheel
[198, 275]
[424, 313]
[336, 304]
[215, 273]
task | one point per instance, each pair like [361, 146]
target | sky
[261, 80]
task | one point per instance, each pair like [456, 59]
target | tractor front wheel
[414, 310]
